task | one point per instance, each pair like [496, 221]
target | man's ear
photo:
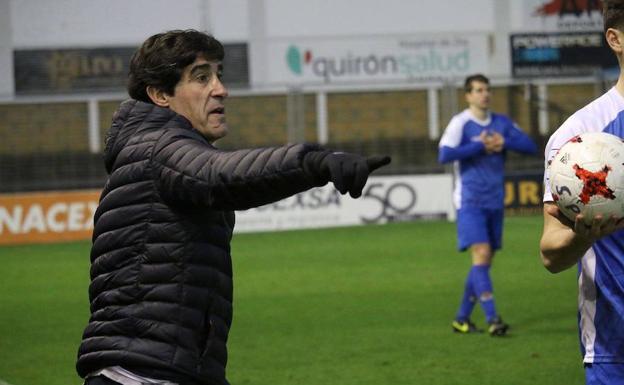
[615, 39]
[159, 97]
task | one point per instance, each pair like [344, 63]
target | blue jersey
[601, 270]
[479, 177]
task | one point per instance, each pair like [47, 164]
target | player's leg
[481, 254]
[470, 225]
[604, 374]
[462, 322]
[481, 263]
[485, 287]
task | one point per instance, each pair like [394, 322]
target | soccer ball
[587, 176]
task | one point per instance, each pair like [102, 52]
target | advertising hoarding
[560, 54]
[62, 71]
[404, 58]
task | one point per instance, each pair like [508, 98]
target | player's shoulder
[502, 120]
[596, 115]
[461, 118]
[458, 121]
[455, 129]
[501, 117]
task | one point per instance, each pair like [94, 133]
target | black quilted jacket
[161, 271]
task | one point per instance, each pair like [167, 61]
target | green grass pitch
[345, 306]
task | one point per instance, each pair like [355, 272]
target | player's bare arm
[564, 242]
[560, 246]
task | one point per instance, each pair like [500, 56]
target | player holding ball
[595, 243]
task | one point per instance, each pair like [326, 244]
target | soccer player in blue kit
[597, 249]
[477, 140]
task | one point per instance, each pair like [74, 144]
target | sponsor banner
[47, 217]
[524, 192]
[71, 70]
[419, 58]
[68, 216]
[560, 54]
[556, 15]
[50, 71]
[384, 199]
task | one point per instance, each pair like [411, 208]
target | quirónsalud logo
[328, 68]
[296, 60]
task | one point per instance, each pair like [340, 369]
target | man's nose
[220, 89]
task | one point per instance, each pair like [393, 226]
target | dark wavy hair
[160, 61]
[613, 14]
[474, 78]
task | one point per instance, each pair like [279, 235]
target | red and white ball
[586, 176]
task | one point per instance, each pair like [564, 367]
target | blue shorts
[604, 374]
[477, 225]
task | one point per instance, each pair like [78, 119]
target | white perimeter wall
[72, 23]
[69, 23]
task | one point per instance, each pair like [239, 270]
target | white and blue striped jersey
[479, 177]
[601, 270]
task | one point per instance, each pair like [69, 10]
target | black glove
[348, 172]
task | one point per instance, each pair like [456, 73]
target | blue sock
[468, 300]
[483, 288]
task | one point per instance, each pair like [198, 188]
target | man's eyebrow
[201, 67]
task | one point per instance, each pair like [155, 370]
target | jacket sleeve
[189, 170]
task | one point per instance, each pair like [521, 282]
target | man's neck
[479, 113]
[619, 86]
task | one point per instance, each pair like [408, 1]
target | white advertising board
[384, 199]
[419, 58]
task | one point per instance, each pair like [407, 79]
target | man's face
[479, 96]
[199, 97]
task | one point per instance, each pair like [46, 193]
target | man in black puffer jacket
[161, 271]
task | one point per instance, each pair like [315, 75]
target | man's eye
[220, 75]
[203, 78]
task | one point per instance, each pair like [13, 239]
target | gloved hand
[348, 172]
